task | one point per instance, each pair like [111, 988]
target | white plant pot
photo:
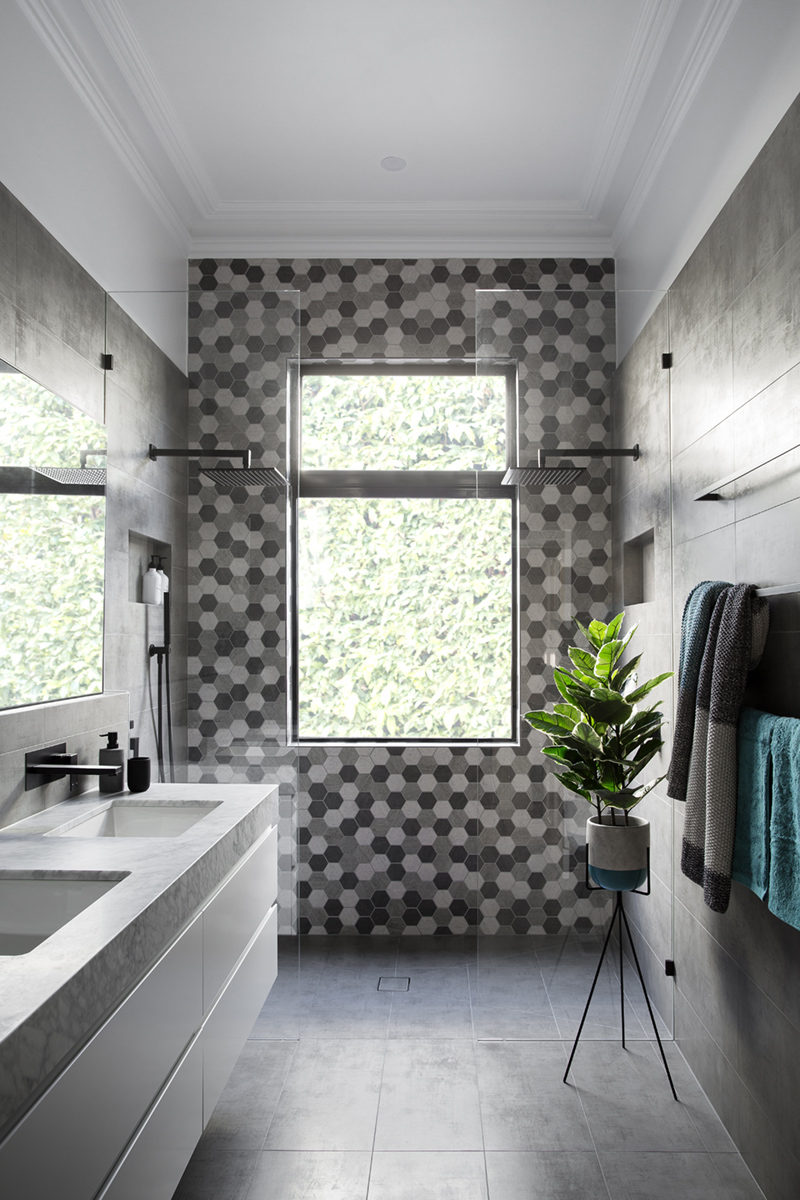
[617, 853]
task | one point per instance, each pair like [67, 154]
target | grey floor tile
[415, 1016]
[310, 1175]
[248, 1103]
[516, 1023]
[603, 1021]
[548, 1175]
[627, 1099]
[226, 1176]
[429, 1097]
[713, 1133]
[412, 1175]
[330, 1098]
[524, 1104]
[664, 1176]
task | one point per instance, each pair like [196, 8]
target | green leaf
[597, 633]
[625, 672]
[607, 656]
[584, 661]
[609, 711]
[587, 633]
[574, 783]
[584, 733]
[550, 723]
[568, 710]
[559, 753]
[613, 627]
[643, 690]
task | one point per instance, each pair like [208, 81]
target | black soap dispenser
[138, 768]
[111, 755]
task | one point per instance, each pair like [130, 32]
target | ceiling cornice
[690, 75]
[52, 27]
[440, 228]
[125, 49]
[649, 38]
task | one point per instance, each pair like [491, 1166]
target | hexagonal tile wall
[388, 839]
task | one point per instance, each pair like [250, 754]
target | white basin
[137, 819]
[32, 907]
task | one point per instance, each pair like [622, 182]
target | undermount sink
[32, 907]
[137, 819]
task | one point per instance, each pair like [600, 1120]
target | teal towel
[753, 800]
[784, 846]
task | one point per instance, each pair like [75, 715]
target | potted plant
[602, 740]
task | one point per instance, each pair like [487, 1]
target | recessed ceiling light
[393, 163]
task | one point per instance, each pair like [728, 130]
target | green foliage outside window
[404, 605]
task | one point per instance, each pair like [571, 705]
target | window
[404, 545]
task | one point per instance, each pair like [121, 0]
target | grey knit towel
[736, 636]
[694, 634]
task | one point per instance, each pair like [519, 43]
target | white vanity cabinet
[122, 1119]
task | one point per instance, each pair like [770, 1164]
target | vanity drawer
[235, 912]
[71, 1137]
[155, 1161]
[233, 1016]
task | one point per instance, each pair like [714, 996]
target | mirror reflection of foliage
[38, 428]
[404, 422]
[405, 618]
[52, 552]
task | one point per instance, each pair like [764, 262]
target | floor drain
[394, 983]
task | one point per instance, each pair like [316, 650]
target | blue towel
[694, 633]
[753, 800]
[784, 847]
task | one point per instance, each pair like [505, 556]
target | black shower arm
[154, 452]
[632, 452]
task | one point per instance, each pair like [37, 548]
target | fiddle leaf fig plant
[600, 737]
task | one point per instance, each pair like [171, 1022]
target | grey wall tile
[55, 291]
[8, 246]
[734, 316]
[58, 336]
[764, 210]
[766, 324]
[701, 383]
[703, 289]
[58, 366]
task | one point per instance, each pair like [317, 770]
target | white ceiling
[256, 127]
[260, 124]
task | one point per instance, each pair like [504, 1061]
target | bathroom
[480, 871]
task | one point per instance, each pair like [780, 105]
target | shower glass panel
[539, 927]
[225, 551]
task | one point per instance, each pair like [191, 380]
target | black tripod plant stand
[619, 918]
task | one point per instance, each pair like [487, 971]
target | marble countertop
[54, 997]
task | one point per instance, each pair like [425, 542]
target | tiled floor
[453, 1089]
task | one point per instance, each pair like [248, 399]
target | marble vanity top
[54, 997]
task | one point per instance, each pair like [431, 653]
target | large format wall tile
[57, 333]
[736, 335]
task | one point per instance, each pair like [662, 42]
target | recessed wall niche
[140, 551]
[638, 569]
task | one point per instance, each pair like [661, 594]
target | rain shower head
[538, 477]
[566, 475]
[266, 478]
[92, 477]
[269, 479]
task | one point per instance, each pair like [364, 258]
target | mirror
[52, 545]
